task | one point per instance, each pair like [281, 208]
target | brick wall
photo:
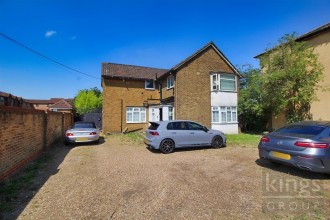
[165, 91]
[25, 133]
[193, 88]
[119, 94]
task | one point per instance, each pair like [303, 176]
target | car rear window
[153, 126]
[301, 129]
[84, 125]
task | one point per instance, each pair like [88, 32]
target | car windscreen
[153, 126]
[84, 125]
[301, 129]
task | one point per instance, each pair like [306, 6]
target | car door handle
[173, 132]
[192, 132]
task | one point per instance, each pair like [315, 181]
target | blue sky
[83, 34]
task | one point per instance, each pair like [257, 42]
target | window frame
[224, 112]
[170, 82]
[216, 85]
[170, 113]
[190, 126]
[153, 83]
[140, 113]
[170, 126]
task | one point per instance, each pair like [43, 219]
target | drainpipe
[121, 115]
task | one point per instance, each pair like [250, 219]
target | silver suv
[168, 135]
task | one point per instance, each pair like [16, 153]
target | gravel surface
[122, 179]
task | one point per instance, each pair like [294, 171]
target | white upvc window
[224, 114]
[215, 82]
[170, 113]
[150, 84]
[170, 82]
[223, 82]
[135, 115]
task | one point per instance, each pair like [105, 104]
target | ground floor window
[135, 115]
[224, 114]
[170, 113]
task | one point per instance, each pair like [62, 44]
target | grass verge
[234, 140]
[243, 140]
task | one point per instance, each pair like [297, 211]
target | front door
[154, 114]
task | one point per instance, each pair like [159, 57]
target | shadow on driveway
[18, 200]
[287, 169]
[185, 149]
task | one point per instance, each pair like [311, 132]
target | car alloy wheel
[167, 146]
[217, 142]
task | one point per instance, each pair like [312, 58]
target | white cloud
[48, 34]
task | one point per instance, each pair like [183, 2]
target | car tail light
[311, 144]
[264, 139]
[154, 133]
[92, 133]
[69, 134]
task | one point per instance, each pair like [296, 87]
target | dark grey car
[304, 145]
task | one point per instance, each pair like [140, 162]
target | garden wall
[26, 133]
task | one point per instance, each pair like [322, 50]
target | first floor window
[223, 82]
[170, 82]
[149, 84]
[135, 114]
[224, 114]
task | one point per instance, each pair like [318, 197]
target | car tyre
[167, 146]
[217, 142]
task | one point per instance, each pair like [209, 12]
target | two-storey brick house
[202, 88]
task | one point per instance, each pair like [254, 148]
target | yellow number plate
[81, 139]
[280, 155]
[146, 141]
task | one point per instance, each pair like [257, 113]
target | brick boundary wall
[26, 133]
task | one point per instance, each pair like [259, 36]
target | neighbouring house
[53, 104]
[203, 88]
[319, 39]
[7, 99]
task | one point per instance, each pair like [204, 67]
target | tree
[290, 76]
[251, 108]
[88, 100]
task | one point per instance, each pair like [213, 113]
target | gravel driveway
[122, 179]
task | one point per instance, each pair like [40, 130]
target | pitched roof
[207, 46]
[50, 101]
[138, 72]
[62, 104]
[314, 32]
[306, 36]
[129, 71]
[4, 94]
[7, 95]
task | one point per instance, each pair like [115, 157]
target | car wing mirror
[205, 129]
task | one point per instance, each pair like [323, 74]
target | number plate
[146, 141]
[82, 139]
[280, 155]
